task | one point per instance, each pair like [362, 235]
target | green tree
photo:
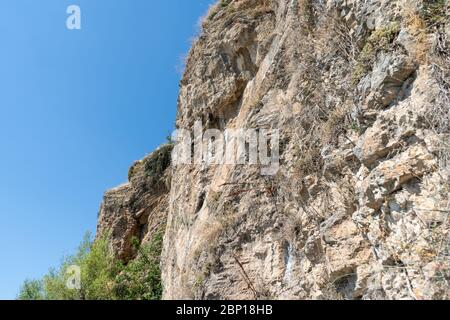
[31, 290]
[102, 275]
[99, 268]
[141, 278]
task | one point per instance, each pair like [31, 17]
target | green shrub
[103, 277]
[32, 290]
[158, 162]
[225, 3]
[98, 268]
[131, 171]
[141, 278]
[380, 40]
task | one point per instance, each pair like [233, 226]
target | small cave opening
[200, 202]
[243, 63]
[143, 229]
[345, 286]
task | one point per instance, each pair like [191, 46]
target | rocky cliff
[359, 92]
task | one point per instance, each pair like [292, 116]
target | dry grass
[336, 34]
[337, 123]
[309, 160]
[435, 13]
[417, 27]
[421, 23]
[233, 7]
[439, 118]
[306, 13]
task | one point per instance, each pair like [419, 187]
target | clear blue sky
[76, 109]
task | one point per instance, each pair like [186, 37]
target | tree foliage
[102, 275]
[141, 278]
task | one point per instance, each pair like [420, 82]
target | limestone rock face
[139, 208]
[359, 208]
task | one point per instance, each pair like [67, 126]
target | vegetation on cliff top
[155, 164]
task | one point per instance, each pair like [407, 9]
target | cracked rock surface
[360, 93]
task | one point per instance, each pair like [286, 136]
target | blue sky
[77, 107]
